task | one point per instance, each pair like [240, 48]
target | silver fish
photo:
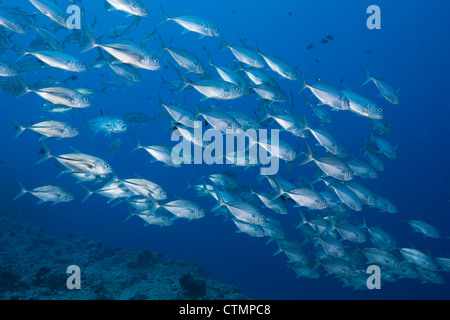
[11, 22]
[384, 146]
[328, 95]
[382, 258]
[184, 209]
[270, 93]
[159, 153]
[132, 7]
[362, 169]
[50, 10]
[112, 190]
[145, 188]
[46, 193]
[249, 229]
[276, 205]
[425, 228]
[125, 70]
[59, 96]
[384, 204]
[244, 54]
[347, 196]
[419, 258]
[281, 67]
[363, 106]
[242, 211]
[49, 129]
[303, 197]
[386, 90]
[79, 162]
[58, 60]
[220, 120]
[212, 88]
[7, 70]
[127, 53]
[194, 24]
[366, 196]
[185, 59]
[330, 166]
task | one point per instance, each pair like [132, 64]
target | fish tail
[189, 185]
[304, 85]
[279, 191]
[267, 114]
[307, 124]
[163, 45]
[277, 252]
[88, 193]
[309, 155]
[224, 44]
[138, 144]
[61, 171]
[184, 81]
[47, 154]
[21, 192]
[210, 61]
[130, 212]
[220, 201]
[251, 191]
[22, 51]
[160, 103]
[368, 76]
[301, 223]
[91, 43]
[165, 18]
[25, 88]
[20, 128]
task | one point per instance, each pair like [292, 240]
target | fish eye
[107, 166]
[379, 110]
[156, 60]
[81, 64]
[217, 29]
[70, 194]
[120, 121]
[75, 129]
[13, 69]
[85, 99]
[145, 9]
[238, 89]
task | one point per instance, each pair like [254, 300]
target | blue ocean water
[409, 52]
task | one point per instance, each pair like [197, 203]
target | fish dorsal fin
[75, 150]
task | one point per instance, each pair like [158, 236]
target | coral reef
[34, 265]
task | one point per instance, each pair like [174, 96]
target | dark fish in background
[316, 60]
[368, 51]
[136, 117]
[113, 147]
[290, 13]
[330, 37]
[310, 46]
[324, 41]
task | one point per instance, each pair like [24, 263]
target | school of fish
[330, 235]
